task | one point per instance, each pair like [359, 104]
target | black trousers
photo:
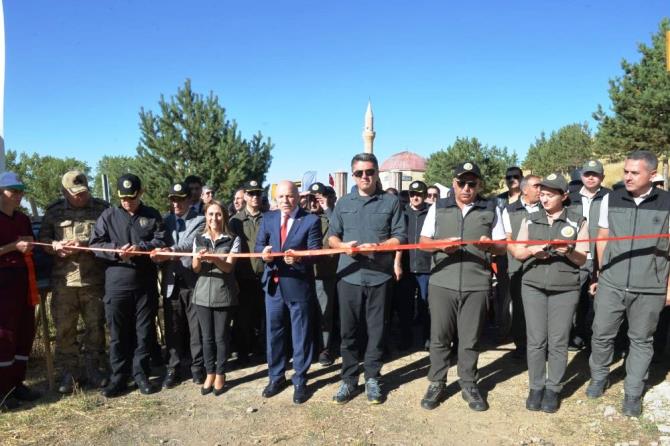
[249, 322]
[182, 331]
[215, 326]
[362, 306]
[130, 319]
[404, 296]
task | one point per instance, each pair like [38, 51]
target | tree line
[639, 118]
[190, 134]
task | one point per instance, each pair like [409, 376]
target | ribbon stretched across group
[436, 244]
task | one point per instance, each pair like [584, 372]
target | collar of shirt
[646, 194]
[530, 207]
[292, 214]
[209, 237]
[586, 194]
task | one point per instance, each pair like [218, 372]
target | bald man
[288, 281]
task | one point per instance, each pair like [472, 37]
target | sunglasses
[367, 172]
[415, 194]
[255, 193]
[433, 195]
[463, 183]
[512, 177]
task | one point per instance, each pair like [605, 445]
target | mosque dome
[404, 161]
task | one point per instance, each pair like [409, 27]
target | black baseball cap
[418, 186]
[128, 186]
[329, 191]
[178, 190]
[467, 167]
[317, 188]
[252, 185]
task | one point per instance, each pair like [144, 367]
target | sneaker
[345, 393]
[326, 359]
[434, 395]
[373, 390]
[632, 406]
[475, 400]
[596, 388]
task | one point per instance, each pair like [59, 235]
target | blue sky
[301, 72]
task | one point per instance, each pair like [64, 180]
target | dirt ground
[181, 416]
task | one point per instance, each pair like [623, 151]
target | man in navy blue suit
[289, 288]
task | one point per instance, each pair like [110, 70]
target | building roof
[404, 161]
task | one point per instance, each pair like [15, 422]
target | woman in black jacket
[216, 293]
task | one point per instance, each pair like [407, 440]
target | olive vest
[637, 266]
[469, 268]
[556, 273]
[517, 212]
[594, 213]
[214, 288]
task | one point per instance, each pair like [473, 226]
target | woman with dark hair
[216, 292]
[550, 288]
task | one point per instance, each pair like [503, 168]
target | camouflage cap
[75, 182]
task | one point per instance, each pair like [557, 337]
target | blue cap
[11, 180]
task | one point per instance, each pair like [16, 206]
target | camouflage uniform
[78, 284]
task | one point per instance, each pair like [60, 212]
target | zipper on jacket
[630, 251]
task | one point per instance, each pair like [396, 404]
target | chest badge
[144, 222]
[568, 231]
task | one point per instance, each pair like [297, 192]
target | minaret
[369, 130]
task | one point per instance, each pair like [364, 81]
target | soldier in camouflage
[77, 281]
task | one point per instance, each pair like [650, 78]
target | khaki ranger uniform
[78, 284]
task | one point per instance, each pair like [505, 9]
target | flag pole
[2, 87]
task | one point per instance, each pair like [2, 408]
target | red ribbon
[436, 244]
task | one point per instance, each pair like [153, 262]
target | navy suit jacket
[296, 281]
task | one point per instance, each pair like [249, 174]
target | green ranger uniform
[78, 284]
[550, 291]
[633, 281]
[459, 287]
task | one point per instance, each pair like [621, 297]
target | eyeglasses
[367, 172]
[512, 177]
[433, 195]
[463, 183]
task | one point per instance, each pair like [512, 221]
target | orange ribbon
[436, 244]
[33, 293]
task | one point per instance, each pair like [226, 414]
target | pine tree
[192, 136]
[492, 161]
[641, 104]
[564, 150]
